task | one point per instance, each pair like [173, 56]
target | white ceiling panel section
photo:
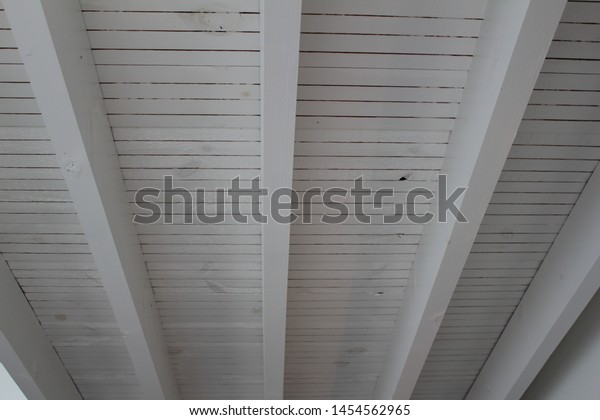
[379, 88]
[181, 87]
[45, 248]
[555, 152]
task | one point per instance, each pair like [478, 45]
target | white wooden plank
[560, 112]
[534, 197]
[557, 65]
[28, 161]
[566, 127]
[60, 65]
[190, 162]
[14, 147]
[552, 81]
[382, 60]
[10, 56]
[178, 74]
[21, 120]
[381, 77]
[178, 106]
[539, 187]
[368, 25]
[191, 41]
[382, 109]
[574, 50]
[184, 58]
[178, 121]
[455, 8]
[205, 148]
[581, 12]
[3, 21]
[14, 73]
[556, 165]
[545, 175]
[236, 6]
[555, 152]
[183, 91]
[360, 162]
[180, 134]
[18, 106]
[207, 21]
[371, 136]
[386, 44]
[565, 97]
[380, 94]
[16, 90]
[495, 99]
[369, 123]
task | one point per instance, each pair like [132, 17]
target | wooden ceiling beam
[280, 46]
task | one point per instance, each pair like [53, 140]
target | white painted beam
[280, 46]
[573, 371]
[25, 351]
[562, 287]
[53, 42]
[513, 42]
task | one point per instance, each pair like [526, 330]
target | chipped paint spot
[186, 172]
[214, 18]
[215, 287]
[60, 317]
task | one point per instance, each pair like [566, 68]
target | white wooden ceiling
[379, 96]
[554, 154]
